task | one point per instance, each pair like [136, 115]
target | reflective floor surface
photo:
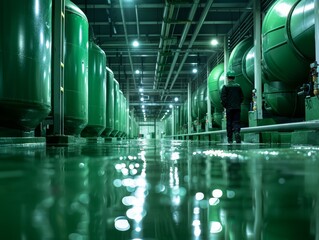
[159, 189]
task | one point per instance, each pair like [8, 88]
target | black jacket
[232, 95]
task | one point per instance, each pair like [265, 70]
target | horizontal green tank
[97, 92]
[237, 63]
[109, 102]
[199, 103]
[282, 100]
[125, 117]
[168, 126]
[25, 66]
[288, 49]
[116, 107]
[288, 41]
[216, 81]
[75, 70]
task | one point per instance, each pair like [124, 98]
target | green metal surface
[116, 108]
[312, 106]
[125, 115]
[237, 63]
[199, 102]
[75, 70]
[250, 64]
[97, 92]
[288, 41]
[194, 105]
[25, 66]
[282, 100]
[109, 102]
[121, 114]
[216, 80]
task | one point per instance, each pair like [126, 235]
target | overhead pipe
[168, 12]
[137, 22]
[182, 40]
[194, 36]
[127, 42]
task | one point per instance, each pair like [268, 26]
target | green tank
[237, 63]
[202, 101]
[288, 49]
[282, 100]
[216, 81]
[25, 66]
[120, 114]
[125, 116]
[75, 70]
[288, 41]
[97, 92]
[116, 107]
[168, 126]
[109, 102]
[194, 105]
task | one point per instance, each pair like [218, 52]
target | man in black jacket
[232, 97]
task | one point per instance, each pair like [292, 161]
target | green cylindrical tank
[75, 70]
[288, 42]
[194, 105]
[25, 66]
[125, 114]
[177, 112]
[120, 114]
[282, 100]
[237, 63]
[97, 92]
[216, 81]
[182, 117]
[116, 107]
[168, 126]
[109, 126]
[202, 101]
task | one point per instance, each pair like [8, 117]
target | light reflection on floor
[147, 189]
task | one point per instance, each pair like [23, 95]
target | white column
[189, 116]
[226, 58]
[257, 60]
[317, 31]
[209, 112]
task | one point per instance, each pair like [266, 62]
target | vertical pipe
[58, 66]
[317, 31]
[189, 116]
[127, 108]
[226, 58]
[209, 112]
[257, 59]
[173, 123]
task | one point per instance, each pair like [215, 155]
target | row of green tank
[93, 103]
[288, 49]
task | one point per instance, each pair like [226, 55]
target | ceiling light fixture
[194, 70]
[214, 42]
[136, 43]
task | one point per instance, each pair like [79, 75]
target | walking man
[232, 96]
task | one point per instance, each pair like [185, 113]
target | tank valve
[314, 74]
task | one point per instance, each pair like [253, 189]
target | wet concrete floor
[159, 189]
